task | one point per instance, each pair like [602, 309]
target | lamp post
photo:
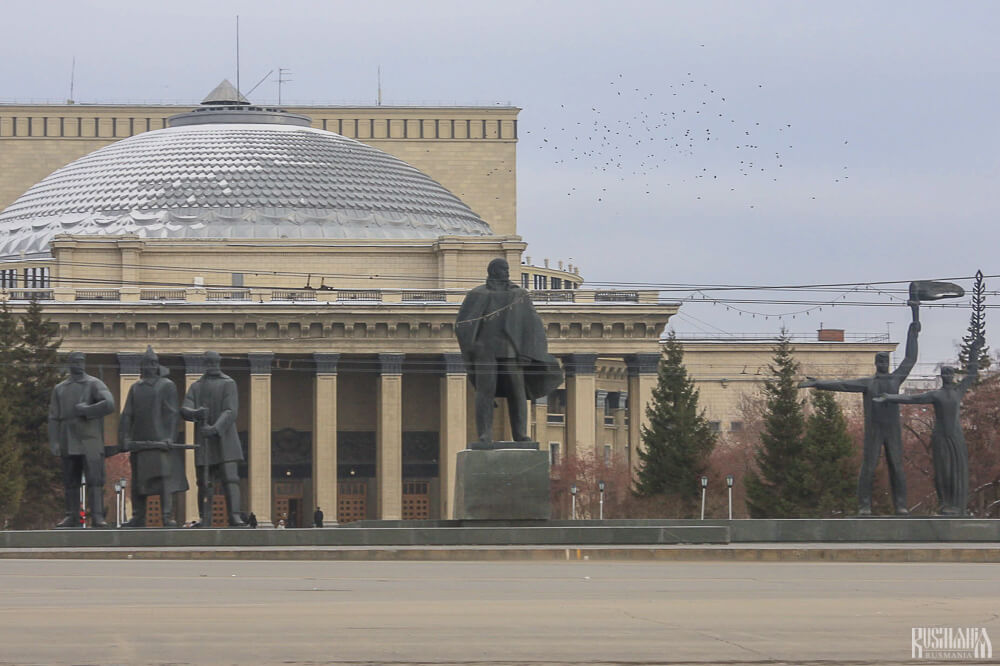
[572, 491]
[729, 485]
[118, 503]
[83, 500]
[124, 483]
[704, 488]
[600, 486]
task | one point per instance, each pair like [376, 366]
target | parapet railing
[199, 294]
[771, 337]
[162, 295]
[98, 295]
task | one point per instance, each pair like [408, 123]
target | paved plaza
[220, 612]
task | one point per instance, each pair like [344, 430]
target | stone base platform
[511, 484]
[766, 534]
[773, 530]
[389, 536]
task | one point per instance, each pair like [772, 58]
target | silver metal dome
[266, 178]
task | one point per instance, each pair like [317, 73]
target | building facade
[324, 252]
[327, 273]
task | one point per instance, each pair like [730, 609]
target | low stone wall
[571, 535]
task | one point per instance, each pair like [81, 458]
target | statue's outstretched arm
[102, 406]
[189, 411]
[910, 359]
[843, 385]
[914, 399]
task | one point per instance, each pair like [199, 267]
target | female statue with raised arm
[948, 450]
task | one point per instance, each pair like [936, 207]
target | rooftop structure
[228, 171]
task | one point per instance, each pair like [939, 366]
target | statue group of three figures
[147, 430]
[881, 399]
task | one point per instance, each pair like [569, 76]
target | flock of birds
[688, 136]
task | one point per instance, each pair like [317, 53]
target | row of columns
[580, 422]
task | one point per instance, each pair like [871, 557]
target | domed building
[326, 271]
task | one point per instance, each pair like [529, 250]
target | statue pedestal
[502, 484]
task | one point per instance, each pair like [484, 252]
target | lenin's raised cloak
[505, 352]
[522, 326]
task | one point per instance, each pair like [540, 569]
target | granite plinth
[504, 444]
[888, 530]
[504, 484]
[339, 537]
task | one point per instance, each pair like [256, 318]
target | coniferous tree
[11, 469]
[38, 373]
[977, 327]
[828, 453]
[12, 480]
[780, 485]
[678, 440]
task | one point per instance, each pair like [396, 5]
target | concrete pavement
[297, 612]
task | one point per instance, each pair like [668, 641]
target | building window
[607, 454]
[715, 426]
[541, 282]
[556, 283]
[237, 279]
[736, 426]
[553, 453]
[36, 278]
[524, 280]
[8, 278]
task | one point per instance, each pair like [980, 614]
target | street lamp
[729, 485]
[124, 483]
[83, 500]
[118, 503]
[600, 486]
[704, 488]
[572, 491]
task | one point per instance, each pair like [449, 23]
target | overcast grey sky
[750, 143]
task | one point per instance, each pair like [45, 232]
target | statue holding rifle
[147, 431]
[212, 403]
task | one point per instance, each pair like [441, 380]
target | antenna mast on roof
[237, 53]
[379, 102]
[282, 71]
[72, 80]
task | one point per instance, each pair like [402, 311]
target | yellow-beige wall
[726, 372]
[469, 150]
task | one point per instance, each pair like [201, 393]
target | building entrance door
[352, 502]
[294, 512]
[416, 500]
[154, 512]
[288, 503]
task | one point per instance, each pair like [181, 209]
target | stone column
[389, 437]
[541, 419]
[621, 426]
[453, 427]
[600, 437]
[580, 383]
[194, 367]
[260, 436]
[324, 471]
[642, 370]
